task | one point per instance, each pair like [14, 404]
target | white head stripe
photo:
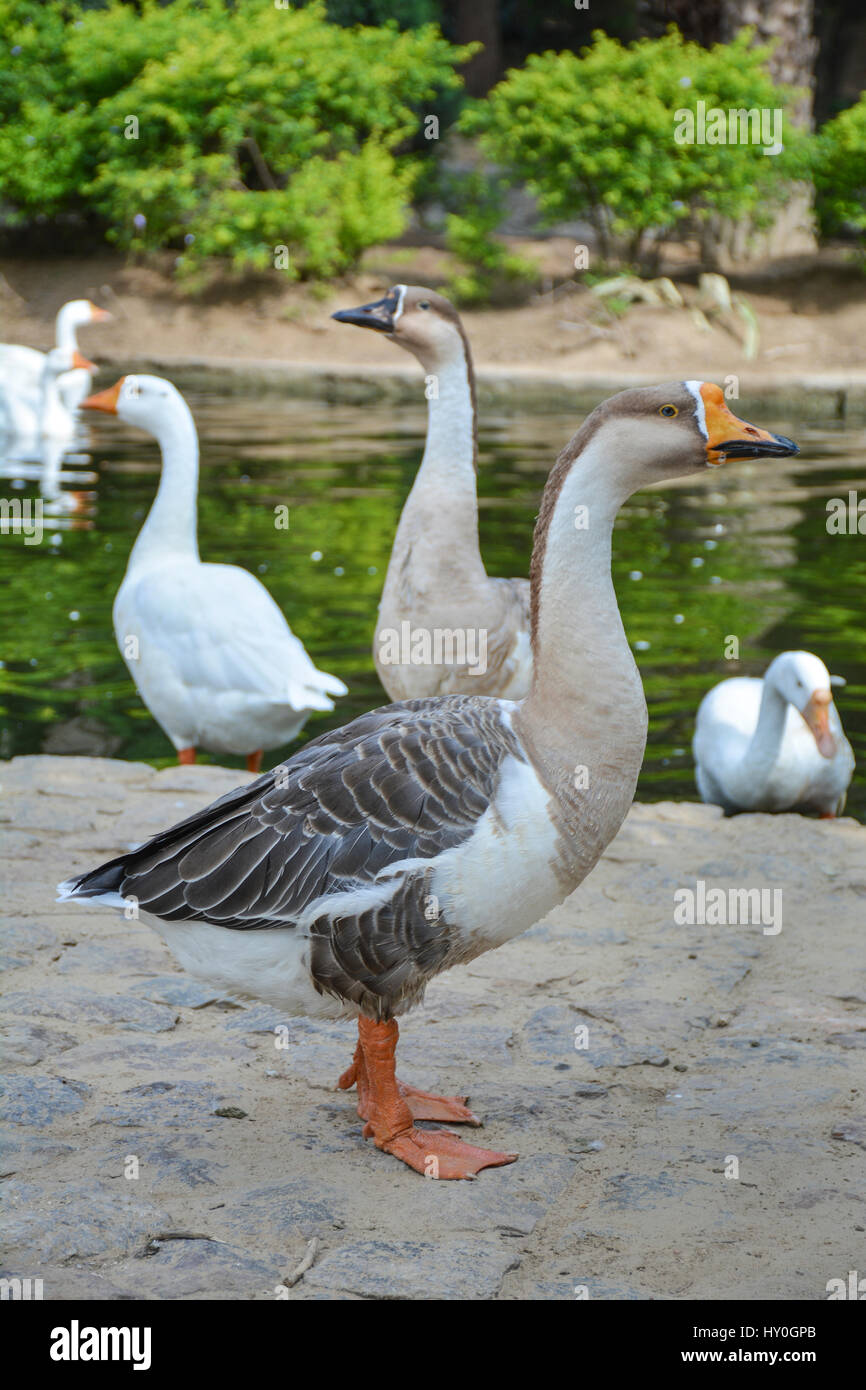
[401, 295]
[700, 413]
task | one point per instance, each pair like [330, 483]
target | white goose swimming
[40, 415]
[425, 833]
[774, 744]
[21, 367]
[444, 626]
[212, 656]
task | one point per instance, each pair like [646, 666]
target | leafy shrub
[593, 136]
[490, 272]
[840, 170]
[253, 126]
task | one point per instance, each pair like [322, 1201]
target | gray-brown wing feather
[405, 781]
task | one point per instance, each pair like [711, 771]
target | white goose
[21, 367]
[210, 652]
[42, 415]
[425, 833]
[444, 626]
[774, 744]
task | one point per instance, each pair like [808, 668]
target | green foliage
[593, 135]
[489, 272]
[256, 126]
[840, 170]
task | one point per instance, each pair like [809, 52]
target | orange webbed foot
[390, 1108]
[425, 1106]
[437, 1153]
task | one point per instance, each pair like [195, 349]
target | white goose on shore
[436, 582]
[425, 833]
[210, 652]
[774, 744]
[21, 367]
[40, 415]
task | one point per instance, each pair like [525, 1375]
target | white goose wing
[21, 369]
[221, 631]
[303, 845]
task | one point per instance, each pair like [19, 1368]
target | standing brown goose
[444, 626]
[425, 833]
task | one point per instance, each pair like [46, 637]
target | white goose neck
[51, 405]
[171, 525]
[65, 327]
[766, 742]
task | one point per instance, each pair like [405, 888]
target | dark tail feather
[108, 878]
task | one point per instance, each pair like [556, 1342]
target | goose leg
[424, 1105]
[254, 761]
[436, 1153]
[186, 755]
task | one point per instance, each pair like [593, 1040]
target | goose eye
[133, 391]
[668, 410]
[424, 304]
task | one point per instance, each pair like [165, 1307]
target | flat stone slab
[449, 1269]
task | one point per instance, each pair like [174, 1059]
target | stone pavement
[163, 1143]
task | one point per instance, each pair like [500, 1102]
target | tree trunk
[478, 21]
[729, 244]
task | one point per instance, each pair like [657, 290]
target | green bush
[256, 126]
[840, 170]
[489, 271]
[593, 136]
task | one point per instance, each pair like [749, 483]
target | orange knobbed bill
[105, 400]
[79, 361]
[730, 437]
[98, 315]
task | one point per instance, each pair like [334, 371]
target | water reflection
[58, 469]
[743, 552]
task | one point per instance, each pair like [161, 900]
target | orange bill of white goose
[425, 833]
[21, 367]
[774, 743]
[436, 590]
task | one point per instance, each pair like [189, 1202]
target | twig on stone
[298, 1273]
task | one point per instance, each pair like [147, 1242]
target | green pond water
[740, 552]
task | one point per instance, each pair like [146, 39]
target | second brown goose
[445, 627]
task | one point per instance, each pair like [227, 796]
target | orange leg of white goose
[390, 1108]
[186, 755]
[254, 761]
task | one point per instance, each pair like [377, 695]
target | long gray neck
[585, 718]
[441, 512]
[170, 527]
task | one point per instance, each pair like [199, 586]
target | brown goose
[444, 626]
[425, 833]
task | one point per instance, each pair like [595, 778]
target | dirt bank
[811, 317]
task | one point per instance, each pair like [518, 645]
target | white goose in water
[21, 367]
[212, 656]
[42, 415]
[774, 744]
[444, 626]
[425, 833]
